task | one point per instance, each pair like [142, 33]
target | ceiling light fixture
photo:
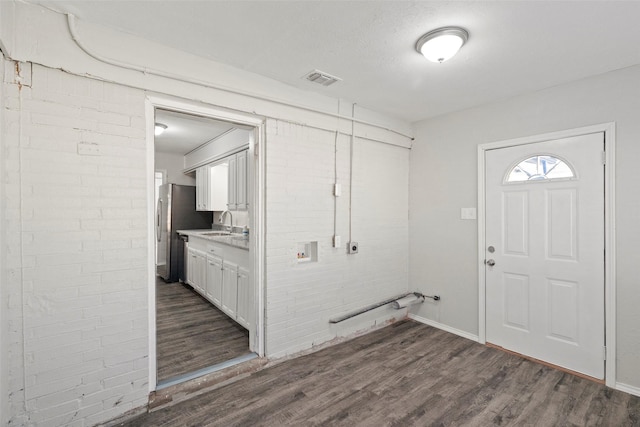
[159, 129]
[442, 43]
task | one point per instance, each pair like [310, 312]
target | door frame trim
[256, 195]
[609, 229]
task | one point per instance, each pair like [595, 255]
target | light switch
[467, 213]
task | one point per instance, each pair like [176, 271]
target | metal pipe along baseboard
[400, 301]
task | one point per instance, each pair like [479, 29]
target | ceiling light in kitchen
[442, 44]
[160, 128]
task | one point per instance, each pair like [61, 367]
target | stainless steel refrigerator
[176, 211]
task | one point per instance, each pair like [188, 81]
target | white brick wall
[301, 298]
[76, 245]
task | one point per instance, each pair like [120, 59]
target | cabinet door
[219, 186]
[232, 173]
[229, 288]
[198, 270]
[241, 181]
[214, 279]
[202, 188]
[191, 272]
[245, 298]
[199, 188]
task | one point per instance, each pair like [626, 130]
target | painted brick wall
[76, 236]
[301, 298]
[76, 245]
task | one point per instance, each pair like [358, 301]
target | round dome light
[442, 44]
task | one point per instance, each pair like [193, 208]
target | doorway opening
[205, 283]
[551, 300]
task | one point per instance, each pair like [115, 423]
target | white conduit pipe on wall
[71, 21]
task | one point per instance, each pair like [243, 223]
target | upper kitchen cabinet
[221, 172]
[202, 188]
[212, 186]
[237, 193]
[218, 185]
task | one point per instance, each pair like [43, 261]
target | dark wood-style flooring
[191, 333]
[406, 374]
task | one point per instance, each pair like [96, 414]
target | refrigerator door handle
[158, 219]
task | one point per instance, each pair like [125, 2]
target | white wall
[77, 244]
[76, 249]
[173, 164]
[74, 254]
[301, 298]
[443, 248]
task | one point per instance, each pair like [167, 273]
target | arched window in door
[540, 167]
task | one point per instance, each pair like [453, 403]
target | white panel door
[545, 251]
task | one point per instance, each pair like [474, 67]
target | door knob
[490, 262]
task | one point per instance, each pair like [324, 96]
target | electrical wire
[71, 23]
[353, 108]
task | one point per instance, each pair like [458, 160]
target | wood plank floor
[407, 374]
[191, 333]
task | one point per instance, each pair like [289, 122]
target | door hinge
[604, 352]
[604, 157]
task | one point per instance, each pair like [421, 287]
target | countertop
[235, 240]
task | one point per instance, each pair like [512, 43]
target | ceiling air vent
[321, 78]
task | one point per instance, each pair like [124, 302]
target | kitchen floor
[191, 333]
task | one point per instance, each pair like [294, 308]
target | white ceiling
[514, 46]
[185, 132]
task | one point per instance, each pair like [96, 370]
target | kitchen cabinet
[212, 187]
[237, 182]
[214, 279]
[202, 188]
[229, 288]
[241, 181]
[196, 270]
[218, 186]
[245, 298]
[220, 273]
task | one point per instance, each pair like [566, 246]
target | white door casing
[545, 293]
[256, 189]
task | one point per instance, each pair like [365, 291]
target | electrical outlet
[353, 247]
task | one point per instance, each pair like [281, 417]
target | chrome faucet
[222, 217]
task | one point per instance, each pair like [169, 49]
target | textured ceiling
[514, 47]
[185, 132]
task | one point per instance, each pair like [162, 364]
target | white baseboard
[628, 389]
[438, 325]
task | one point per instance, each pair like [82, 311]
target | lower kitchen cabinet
[230, 288]
[244, 298]
[214, 279]
[196, 270]
[220, 273]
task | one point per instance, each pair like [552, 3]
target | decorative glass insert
[541, 167]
